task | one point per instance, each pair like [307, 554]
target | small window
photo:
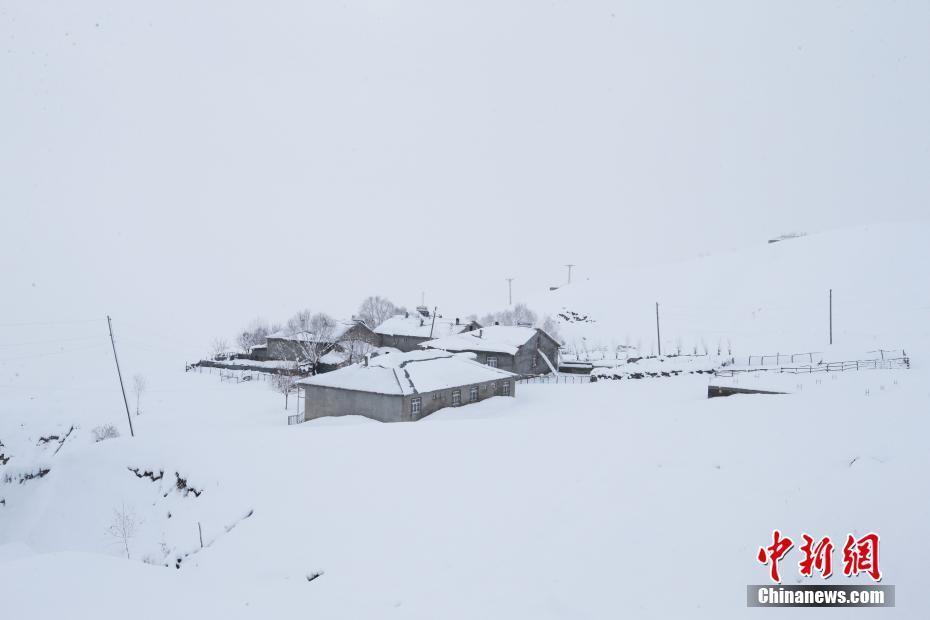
[492, 361]
[473, 394]
[456, 398]
[505, 388]
[415, 406]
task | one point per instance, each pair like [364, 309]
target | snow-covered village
[499, 310]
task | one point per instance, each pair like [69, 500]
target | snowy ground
[569, 501]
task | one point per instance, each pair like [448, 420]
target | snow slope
[762, 299]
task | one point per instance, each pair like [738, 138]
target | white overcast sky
[201, 163]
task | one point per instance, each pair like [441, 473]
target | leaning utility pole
[831, 316]
[658, 334]
[433, 324]
[570, 272]
[120, 375]
[509, 291]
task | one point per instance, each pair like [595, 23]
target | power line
[50, 322]
[23, 344]
[62, 352]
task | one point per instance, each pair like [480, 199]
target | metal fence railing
[873, 364]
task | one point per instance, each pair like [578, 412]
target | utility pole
[509, 291]
[120, 375]
[433, 325]
[658, 334]
[570, 272]
[831, 316]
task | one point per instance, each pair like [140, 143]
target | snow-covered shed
[406, 331]
[519, 349]
[401, 387]
[283, 345]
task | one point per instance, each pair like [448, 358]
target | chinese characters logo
[860, 555]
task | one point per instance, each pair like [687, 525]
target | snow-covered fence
[873, 364]
[556, 379]
[297, 418]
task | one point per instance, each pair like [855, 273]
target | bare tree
[300, 322]
[255, 334]
[218, 347]
[355, 348]
[123, 527]
[551, 327]
[318, 340]
[284, 384]
[138, 388]
[519, 315]
[375, 310]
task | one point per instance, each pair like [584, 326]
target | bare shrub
[104, 432]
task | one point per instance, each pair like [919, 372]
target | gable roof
[403, 374]
[338, 332]
[400, 325]
[495, 339]
[301, 336]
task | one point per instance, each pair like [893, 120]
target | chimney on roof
[406, 315]
[481, 333]
[457, 321]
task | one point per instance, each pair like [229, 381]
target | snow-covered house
[523, 350]
[407, 331]
[401, 387]
[345, 342]
[286, 346]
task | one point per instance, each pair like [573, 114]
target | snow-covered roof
[303, 336]
[419, 326]
[409, 373]
[334, 358]
[342, 327]
[338, 332]
[496, 339]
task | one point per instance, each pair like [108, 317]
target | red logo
[859, 556]
[774, 552]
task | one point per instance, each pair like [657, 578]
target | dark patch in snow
[183, 487]
[570, 316]
[617, 375]
[313, 576]
[57, 438]
[21, 478]
[151, 475]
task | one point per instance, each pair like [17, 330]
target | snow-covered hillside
[764, 298]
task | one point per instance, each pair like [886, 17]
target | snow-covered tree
[123, 527]
[256, 333]
[284, 384]
[138, 388]
[375, 310]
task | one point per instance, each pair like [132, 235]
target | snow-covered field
[570, 501]
[615, 499]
